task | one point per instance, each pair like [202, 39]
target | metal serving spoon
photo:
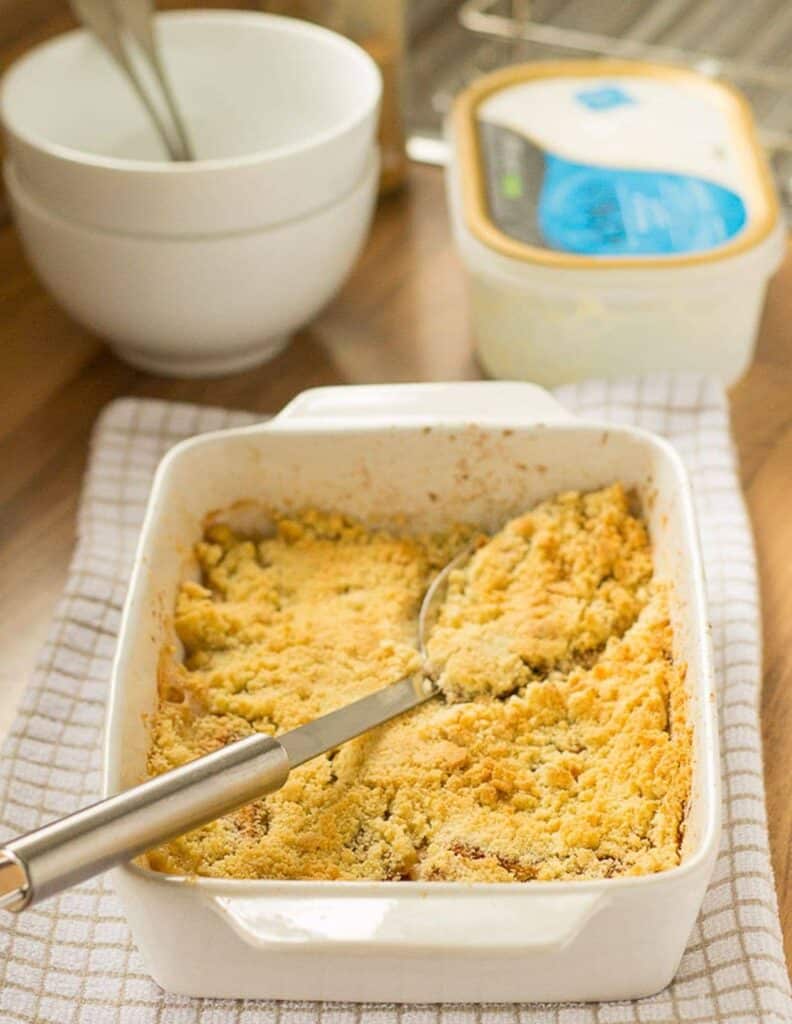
[108, 20]
[88, 842]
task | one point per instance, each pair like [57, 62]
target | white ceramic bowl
[282, 114]
[195, 307]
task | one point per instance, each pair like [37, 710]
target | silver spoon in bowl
[108, 20]
[96, 838]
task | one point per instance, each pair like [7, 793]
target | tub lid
[610, 163]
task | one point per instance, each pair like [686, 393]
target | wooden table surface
[401, 316]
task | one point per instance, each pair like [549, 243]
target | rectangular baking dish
[433, 453]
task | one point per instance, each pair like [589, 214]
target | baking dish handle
[508, 402]
[303, 916]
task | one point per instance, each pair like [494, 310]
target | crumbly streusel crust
[563, 750]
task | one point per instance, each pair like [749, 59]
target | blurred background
[450, 44]
[437, 47]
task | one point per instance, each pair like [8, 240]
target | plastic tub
[614, 217]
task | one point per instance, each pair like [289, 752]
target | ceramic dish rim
[705, 718]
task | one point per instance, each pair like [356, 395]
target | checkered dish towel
[71, 959]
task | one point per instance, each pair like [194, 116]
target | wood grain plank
[762, 424]
[36, 334]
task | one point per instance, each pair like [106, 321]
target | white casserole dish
[487, 451]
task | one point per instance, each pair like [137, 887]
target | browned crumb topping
[545, 593]
[564, 754]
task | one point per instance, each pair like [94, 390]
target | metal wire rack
[748, 42]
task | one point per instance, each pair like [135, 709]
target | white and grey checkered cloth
[71, 959]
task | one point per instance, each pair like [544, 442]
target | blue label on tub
[544, 200]
[604, 97]
[610, 212]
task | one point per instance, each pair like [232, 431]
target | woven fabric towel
[71, 959]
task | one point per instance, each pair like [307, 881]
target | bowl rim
[19, 192]
[126, 165]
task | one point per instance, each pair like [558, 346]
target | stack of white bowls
[202, 268]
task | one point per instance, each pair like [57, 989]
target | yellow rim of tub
[764, 210]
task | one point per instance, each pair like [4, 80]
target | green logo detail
[511, 185]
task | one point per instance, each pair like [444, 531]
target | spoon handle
[91, 840]
[100, 18]
[67, 851]
[138, 18]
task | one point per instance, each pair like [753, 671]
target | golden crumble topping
[563, 748]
